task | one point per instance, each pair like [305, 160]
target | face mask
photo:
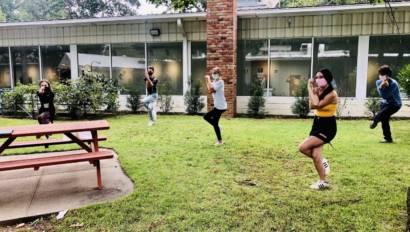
[321, 82]
[215, 76]
[382, 78]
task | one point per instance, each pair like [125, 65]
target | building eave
[110, 20]
[269, 12]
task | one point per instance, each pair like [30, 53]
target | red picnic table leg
[99, 180]
[94, 146]
[6, 144]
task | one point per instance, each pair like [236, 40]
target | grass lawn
[258, 181]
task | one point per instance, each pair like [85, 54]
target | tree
[192, 99]
[182, 5]
[34, 10]
[9, 8]
[256, 104]
[2, 16]
[404, 79]
[301, 105]
[100, 8]
[372, 104]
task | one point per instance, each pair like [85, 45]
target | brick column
[221, 35]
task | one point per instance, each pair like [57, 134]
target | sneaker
[326, 166]
[219, 143]
[386, 141]
[320, 185]
[373, 125]
[151, 123]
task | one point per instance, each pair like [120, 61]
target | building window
[252, 63]
[167, 61]
[391, 50]
[94, 58]
[128, 66]
[198, 65]
[290, 61]
[25, 65]
[56, 63]
[339, 55]
[5, 78]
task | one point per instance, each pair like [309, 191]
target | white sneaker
[326, 166]
[218, 143]
[151, 123]
[320, 185]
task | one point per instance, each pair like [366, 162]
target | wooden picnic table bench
[92, 153]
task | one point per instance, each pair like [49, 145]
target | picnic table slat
[54, 160]
[49, 141]
[30, 130]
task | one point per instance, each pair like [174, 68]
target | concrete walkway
[27, 193]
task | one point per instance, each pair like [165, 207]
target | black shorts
[324, 128]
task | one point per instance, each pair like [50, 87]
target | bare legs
[312, 147]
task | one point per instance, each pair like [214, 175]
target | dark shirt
[46, 102]
[152, 89]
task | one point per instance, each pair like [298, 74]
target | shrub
[301, 105]
[372, 104]
[193, 102]
[89, 94]
[134, 101]
[256, 103]
[404, 79]
[21, 99]
[111, 94]
[165, 98]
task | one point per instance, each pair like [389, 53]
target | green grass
[258, 181]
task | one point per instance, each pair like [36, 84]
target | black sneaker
[386, 141]
[373, 125]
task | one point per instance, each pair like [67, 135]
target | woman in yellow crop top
[323, 99]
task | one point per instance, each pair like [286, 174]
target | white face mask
[382, 78]
[215, 76]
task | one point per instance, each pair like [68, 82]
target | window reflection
[5, 68]
[128, 66]
[198, 65]
[339, 55]
[289, 65]
[94, 58]
[25, 65]
[167, 61]
[56, 63]
[252, 63]
[391, 50]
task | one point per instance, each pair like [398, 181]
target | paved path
[27, 193]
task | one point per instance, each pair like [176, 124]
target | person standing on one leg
[216, 87]
[389, 90]
[46, 97]
[47, 111]
[150, 101]
[323, 98]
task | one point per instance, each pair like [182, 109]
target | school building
[279, 46]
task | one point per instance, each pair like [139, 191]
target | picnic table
[71, 130]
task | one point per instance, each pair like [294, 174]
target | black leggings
[213, 117]
[386, 111]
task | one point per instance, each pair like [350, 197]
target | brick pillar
[221, 35]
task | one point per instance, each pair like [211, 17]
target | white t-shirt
[219, 95]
